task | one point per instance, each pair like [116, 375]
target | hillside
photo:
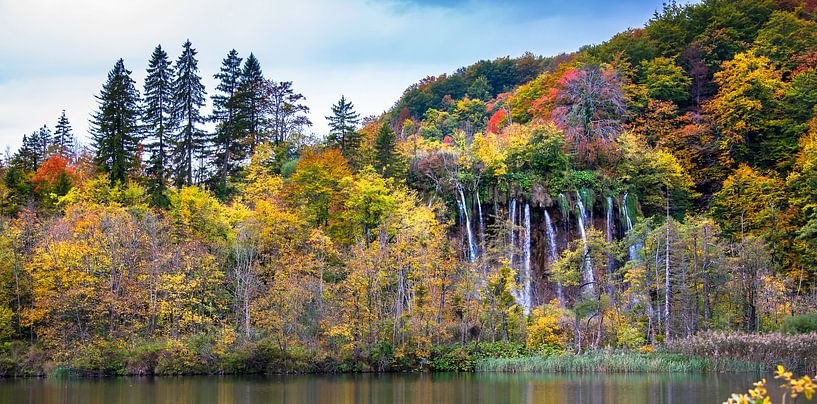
[638, 191]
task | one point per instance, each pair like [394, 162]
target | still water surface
[487, 388]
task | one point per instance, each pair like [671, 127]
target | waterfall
[588, 278]
[610, 260]
[512, 216]
[564, 207]
[554, 253]
[481, 225]
[525, 276]
[625, 214]
[472, 248]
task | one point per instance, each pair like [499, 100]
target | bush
[800, 324]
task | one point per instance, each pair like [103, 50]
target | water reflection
[488, 388]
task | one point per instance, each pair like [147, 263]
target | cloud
[61, 50]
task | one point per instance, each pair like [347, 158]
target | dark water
[485, 388]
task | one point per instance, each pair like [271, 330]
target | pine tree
[158, 119]
[114, 127]
[27, 157]
[64, 139]
[386, 158]
[41, 142]
[252, 100]
[226, 113]
[342, 127]
[188, 98]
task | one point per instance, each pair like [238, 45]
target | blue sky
[55, 54]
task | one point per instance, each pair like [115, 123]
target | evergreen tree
[480, 89]
[188, 98]
[226, 113]
[27, 158]
[64, 139]
[114, 127]
[158, 118]
[40, 144]
[385, 146]
[342, 127]
[252, 101]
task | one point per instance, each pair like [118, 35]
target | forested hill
[645, 189]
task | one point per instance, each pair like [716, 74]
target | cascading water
[524, 298]
[481, 226]
[610, 260]
[564, 207]
[634, 247]
[472, 248]
[512, 218]
[554, 253]
[588, 278]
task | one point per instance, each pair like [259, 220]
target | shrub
[800, 324]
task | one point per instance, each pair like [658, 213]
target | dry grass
[793, 351]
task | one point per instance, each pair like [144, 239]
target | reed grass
[616, 363]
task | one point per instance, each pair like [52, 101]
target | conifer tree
[34, 150]
[342, 127]
[188, 98]
[252, 101]
[41, 142]
[158, 119]
[386, 157]
[229, 150]
[114, 127]
[64, 139]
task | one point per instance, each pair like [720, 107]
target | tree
[39, 144]
[251, 89]
[64, 139]
[188, 98]
[666, 81]
[284, 110]
[386, 156]
[589, 105]
[226, 113]
[343, 126]
[158, 117]
[114, 127]
[480, 89]
[750, 90]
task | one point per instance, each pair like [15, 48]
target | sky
[55, 54]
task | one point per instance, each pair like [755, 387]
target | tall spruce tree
[226, 114]
[115, 126]
[41, 143]
[159, 123]
[252, 101]
[343, 127]
[188, 97]
[34, 150]
[64, 139]
[386, 157]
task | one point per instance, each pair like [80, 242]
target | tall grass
[797, 352]
[616, 363]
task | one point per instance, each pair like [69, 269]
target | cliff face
[532, 232]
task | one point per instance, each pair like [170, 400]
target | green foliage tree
[665, 80]
[343, 127]
[386, 157]
[115, 126]
[158, 116]
[228, 141]
[190, 142]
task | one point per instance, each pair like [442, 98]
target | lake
[487, 388]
